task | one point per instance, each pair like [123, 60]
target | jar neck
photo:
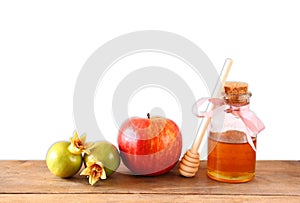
[237, 99]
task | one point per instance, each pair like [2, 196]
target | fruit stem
[148, 115]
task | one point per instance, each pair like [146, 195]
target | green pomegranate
[106, 153]
[61, 162]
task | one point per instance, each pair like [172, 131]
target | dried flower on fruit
[95, 171]
[78, 145]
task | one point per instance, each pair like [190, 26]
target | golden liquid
[231, 159]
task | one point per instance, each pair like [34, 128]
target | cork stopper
[236, 93]
[236, 88]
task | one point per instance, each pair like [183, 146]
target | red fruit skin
[150, 147]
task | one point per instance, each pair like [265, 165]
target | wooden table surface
[21, 181]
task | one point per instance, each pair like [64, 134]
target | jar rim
[249, 94]
[237, 99]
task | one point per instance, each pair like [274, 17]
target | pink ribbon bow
[251, 121]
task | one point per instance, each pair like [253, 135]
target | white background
[43, 46]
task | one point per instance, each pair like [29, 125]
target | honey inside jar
[231, 158]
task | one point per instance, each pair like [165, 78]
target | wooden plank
[5, 198]
[273, 178]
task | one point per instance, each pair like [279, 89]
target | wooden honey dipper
[190, 162]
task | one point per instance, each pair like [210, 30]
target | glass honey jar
[233, 136]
